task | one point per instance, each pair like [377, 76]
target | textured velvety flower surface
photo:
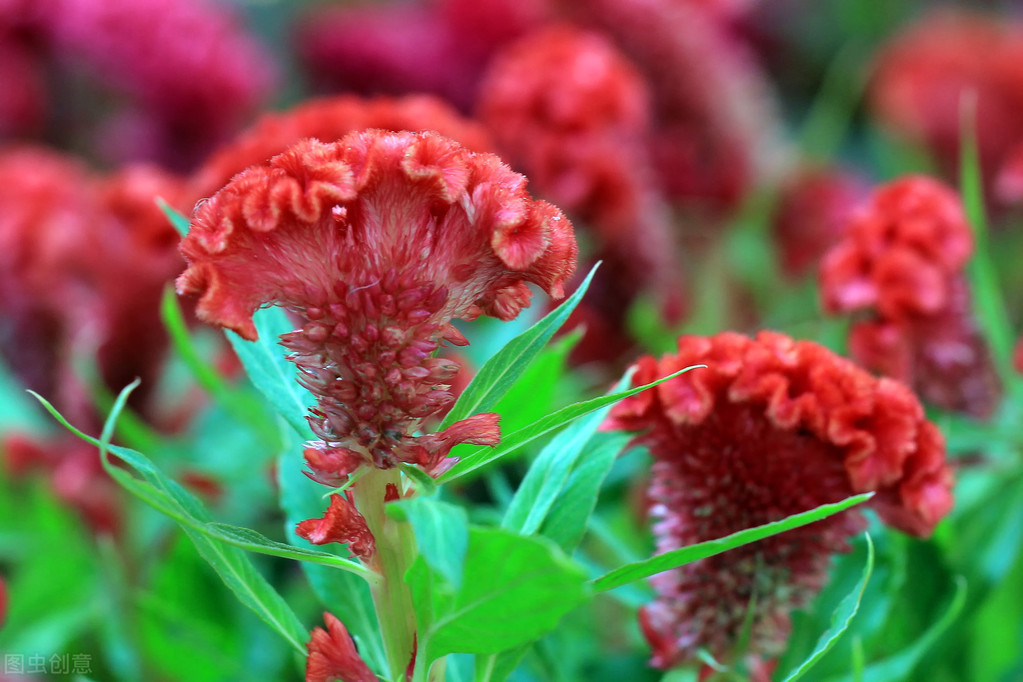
[902, 259]
[772, 427]
[331, 118]
[333, 657]
[377, 242]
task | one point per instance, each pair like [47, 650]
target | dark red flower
[333, 657]
[901, 261]
[924, 73]
[772, 427]
[191, 71]
[377, 242]
[328, 119]
[813, 210]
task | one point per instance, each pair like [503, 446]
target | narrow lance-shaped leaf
[485, 455]
[550, 471]
[840, 620]
[499, 373]
[270, 372]
[686, 555]
[229, 562]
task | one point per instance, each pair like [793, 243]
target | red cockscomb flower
[331, 118]
[333, 657]
[771, 427]
[377, 242]
[924, 73]
[573, 114]
[902, 259]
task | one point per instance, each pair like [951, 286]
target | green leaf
[485, 455]
[899, 666]
[442, 533]
[211, 540]
[569, 516]
[270, 372]
[179, 221]
[550, 471]
[992, 313]
[840, 620]
[516, 589]
[501, 371]
[686, 555]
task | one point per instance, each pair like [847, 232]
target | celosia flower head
[902, 258]
[333, 657]
[329, 119]
[377, 241]
[573, 113]
[771, 427]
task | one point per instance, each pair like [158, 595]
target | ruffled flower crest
[377, 242]
[333, 656]
[772, 427]
[901, 261]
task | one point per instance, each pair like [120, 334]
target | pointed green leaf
[500, 372]
[686, 555]
[270, 372]
[549, 473]
[840, 620]
[899, 666]
[509, 443]
[213, 541]
[179, 221]
[515, 589]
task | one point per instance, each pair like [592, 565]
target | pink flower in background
[333, 657]
[377, 243]
[770, 428]
[190, 71]
[901, 261]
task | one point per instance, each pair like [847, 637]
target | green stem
[396, 549]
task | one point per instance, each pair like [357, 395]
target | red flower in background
[328, 119]
[83, 262]
[924, 73]
[813, 210]
[572, 113]
[377, 242]
[901, 261]
[394, 48]
[332, 655]
[770, 428]
[717, 131]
